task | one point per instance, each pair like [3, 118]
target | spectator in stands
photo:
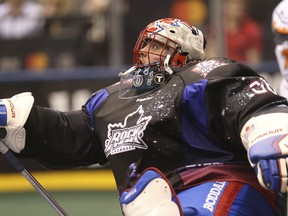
[61, 8]
[95, 52]
[92, 7]
[96, 10]
[20, 19]
[182, 9]
[243, 34]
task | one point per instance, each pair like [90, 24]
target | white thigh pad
[151, 196]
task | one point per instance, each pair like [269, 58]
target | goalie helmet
[184, 43]
[280, 33]
[167, 44]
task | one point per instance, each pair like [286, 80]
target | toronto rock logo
[205, 67]
[122, 138]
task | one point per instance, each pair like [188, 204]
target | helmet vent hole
[194, 32]
[172, 31]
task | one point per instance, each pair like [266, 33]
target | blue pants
[224, 198]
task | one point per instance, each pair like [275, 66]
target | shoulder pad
[222, 67]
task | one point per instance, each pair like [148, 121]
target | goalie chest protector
[147, 130]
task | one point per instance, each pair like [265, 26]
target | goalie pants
[224, 198]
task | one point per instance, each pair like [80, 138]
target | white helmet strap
[166, 65]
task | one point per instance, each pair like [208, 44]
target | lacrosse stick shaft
[19, 167]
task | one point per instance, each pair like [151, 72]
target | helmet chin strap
[128, 71]
[166, 65]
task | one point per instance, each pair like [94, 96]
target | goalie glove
[13, 115]
[266, 140]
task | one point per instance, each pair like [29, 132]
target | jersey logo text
[122, 138]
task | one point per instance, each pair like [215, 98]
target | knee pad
[152, 195]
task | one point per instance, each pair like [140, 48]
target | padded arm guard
[13, 115]
[266, 139]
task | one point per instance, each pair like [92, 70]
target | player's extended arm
[266, 139]
[54, 138]
[13, 115]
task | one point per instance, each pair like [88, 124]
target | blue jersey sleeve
[195, 128]
[194, 103]
[94, 102]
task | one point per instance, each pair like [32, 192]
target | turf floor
[95, 203]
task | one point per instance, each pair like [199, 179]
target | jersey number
[260, 87]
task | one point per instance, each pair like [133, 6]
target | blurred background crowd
[93, 40]
[41, 34]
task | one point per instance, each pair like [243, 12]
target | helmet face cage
[146, 40]
[181, 43]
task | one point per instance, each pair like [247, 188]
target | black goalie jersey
[190, 124]
[193, 120]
